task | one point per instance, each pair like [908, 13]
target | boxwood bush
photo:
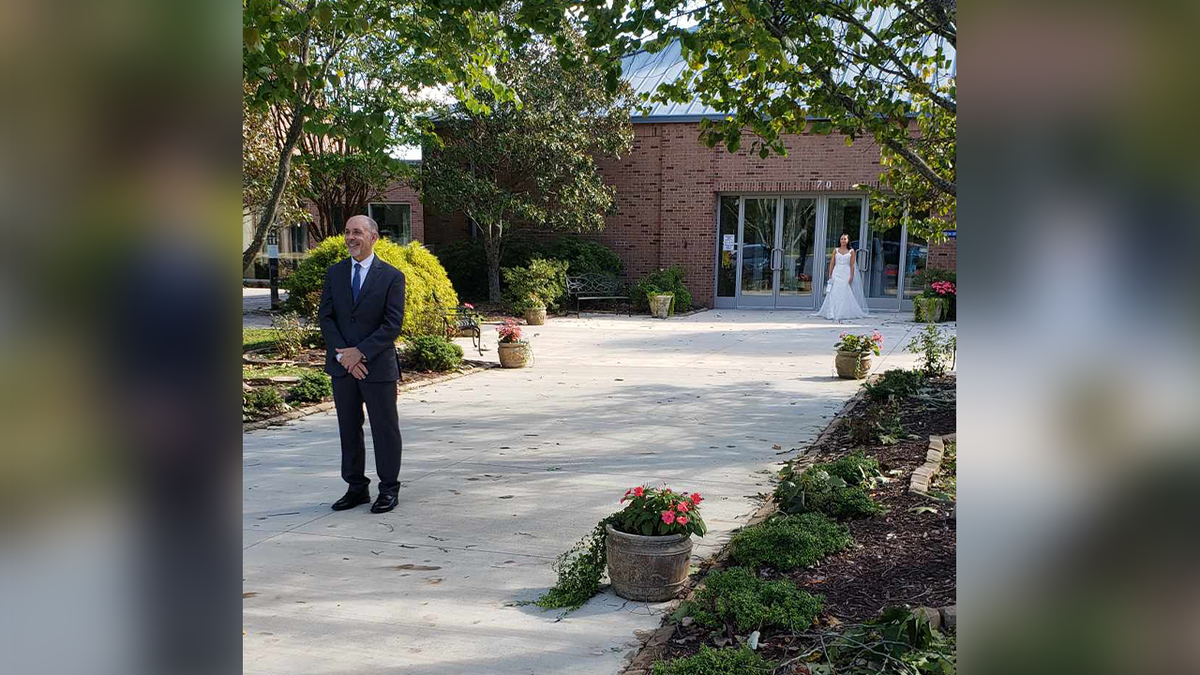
[423, 275]
[669, 280]
[433, 352]
[789, 542]
[709, 661]
[313, 387]
[736, 596]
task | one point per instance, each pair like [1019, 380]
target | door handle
[863, 260]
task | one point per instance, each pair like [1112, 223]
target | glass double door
[774, 251]
[776, 247]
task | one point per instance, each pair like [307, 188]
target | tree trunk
[285, 166]
[491, 246]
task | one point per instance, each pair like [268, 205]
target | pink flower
[842, 335]
[682, 520]
[468, 305]
[696, 498]
[638, 491]
[681, 507]
[668, 517]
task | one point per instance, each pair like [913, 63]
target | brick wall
[945, 255]
[668, 185]
[667, 189]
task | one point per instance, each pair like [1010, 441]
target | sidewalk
[504, 470]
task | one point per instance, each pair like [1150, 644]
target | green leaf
[324, 14]
[250, 37]
[647, 528]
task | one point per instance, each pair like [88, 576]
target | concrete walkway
[504, 470]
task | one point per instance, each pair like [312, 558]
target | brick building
[749, 232]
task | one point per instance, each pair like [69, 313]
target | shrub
[587, 257]
[709, 661]
[819, 489]
[879, 425]
[895, 384]
[312, 387]
[789, 542]
[855, 468]
[423, 275]
[737, 597]
[669, 280]
[935, 348]
[261, 400]
[433, 352]
[465, 262]
[927, 277]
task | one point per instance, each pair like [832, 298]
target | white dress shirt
[362, 278]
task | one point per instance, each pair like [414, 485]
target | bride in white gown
[844, 300]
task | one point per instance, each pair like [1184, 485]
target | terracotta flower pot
[649, 569]
[852, 365]
[514, 354]
[535, 316]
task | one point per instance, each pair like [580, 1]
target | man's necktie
[356, 282]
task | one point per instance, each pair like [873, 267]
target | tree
[260, 161]
[531, 162]
[290, 53]
[864, 68]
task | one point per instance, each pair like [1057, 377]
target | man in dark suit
[362, 311]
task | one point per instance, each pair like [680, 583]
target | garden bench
[594, 286]
[460, 319]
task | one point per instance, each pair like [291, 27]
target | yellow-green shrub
[423, 276]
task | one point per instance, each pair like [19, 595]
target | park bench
[594, 286]
[459, 319]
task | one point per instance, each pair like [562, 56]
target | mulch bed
[900, 557]
[315, 359]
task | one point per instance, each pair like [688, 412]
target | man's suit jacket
[372, 324]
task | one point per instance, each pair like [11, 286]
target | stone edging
[328, 405]
[922, 476]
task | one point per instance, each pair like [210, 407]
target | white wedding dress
[845, 300]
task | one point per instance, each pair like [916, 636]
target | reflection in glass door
[844, 216]
[796, 244]
[757, 250]
[882, 273]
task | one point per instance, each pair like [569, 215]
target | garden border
[297, 413]
[922, 476]
[641, 661]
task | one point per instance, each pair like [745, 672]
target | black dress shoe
[351, 500]
[384, 503]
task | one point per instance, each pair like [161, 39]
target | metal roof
[645, 72]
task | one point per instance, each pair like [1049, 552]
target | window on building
[298, 238]
[395, 221]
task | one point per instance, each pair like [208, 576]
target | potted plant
[649, 542]
[935, 302]
[853, 360]
[661, 302]
[533, 288]
[514, 352]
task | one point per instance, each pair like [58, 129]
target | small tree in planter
[854, 352]
[514, 352]
[533, 288]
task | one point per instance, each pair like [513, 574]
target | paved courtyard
[504, 470]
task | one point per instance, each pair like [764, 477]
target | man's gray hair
[370, 220]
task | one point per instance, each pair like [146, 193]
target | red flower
[668, 517]
[682, 520]
[696, 498]
[681, 507]
[638, 491]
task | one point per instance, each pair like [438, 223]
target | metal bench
[594, 286]
[459, 319]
